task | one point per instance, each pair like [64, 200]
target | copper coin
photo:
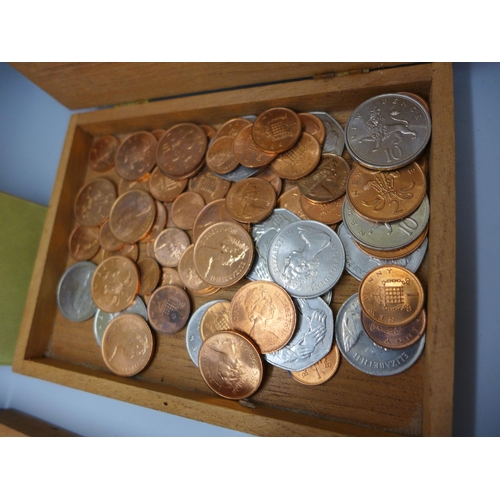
[164, 188]
[391, 295]
[395, 337]
[158, 133]
[181, 150]
[328, 182]
[220, 157]
[186, 208]
[223, 254]
[149, 272]
[277, 130]
[327, 213]
[230, 365]
[108, 240]
[168, 309]
[102, 153]
[136, 156]
[132, 216]
[188, 273]
[94, 201]
[216, 319]
[170, 222]
[422, 101]
[232, 127]
[381, 196]
[291, 201]
[320, 372]
[247, 152]
[205, 293]
[210, 186]
[127, 250]
[274, 179]
[127, 345]
[142, 184]
[159, 223]
[265, 312]
[84, 242]
[251, 200]
[170, 245]
[209, 130]
[314, 126]
[423, 162]
[115, 284]
[170, 276]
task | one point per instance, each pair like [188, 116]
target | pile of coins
[162, 244]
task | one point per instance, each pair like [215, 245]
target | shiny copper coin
[136, 156]
[423, 162]
[149, 272]
[115, 284]
[277, 130]
[251, 200]
[168, 309]
[320, 372]
[265, 312]
[314, 126]
[164, 188]
[108, 240]
[142, 184]
[205, 293]
[232, 127]
[186, 208]
[170, 245]
[159, 223]
[84, 242]
[170, 276]
[216, 319]
[247, 152]
[327, 213]
[328, 182]
[102, 153]
[223, 254]
[127, 345]
[391, 295]
[230, 365]
[181, 150]
[395, 337]
[94, 201]
[386, 196]
[422, 101]
[300, 160]
[132, 216]
[209, 185]
[127, 250]
[274, 179]
[188, 273]
[220, 157]
[291, 201]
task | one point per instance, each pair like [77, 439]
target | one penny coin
[215, 319]
[391, 295]
[108, 240]
[186, 208]
[94, 201]
[164, 188]
[291, 201]
[248, 153]
[159, 223]
[209, 185]
[170, 276]
[320, 372]
[135, 157]
[102, 153]
[264, 311]
[230, 365]
[170, 245]
[168, 309]
[327, 213]
[188, 273]
[314, 126]
[232, 127]
[274, 179]
[130, 250]
[84, 242]
[142, 184]
[127, 345]
[149, 271]
[277, 130]
[220, 157]
[115, 284]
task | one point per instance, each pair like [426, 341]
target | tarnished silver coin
[241, 172]
[306, 258]
[358, 263]
[334, 133]
[388, 235]
[103, 318]
[312, 339]
[74, 297]
[193, 335]
[388, 131]
[364, 354]
[262, 234]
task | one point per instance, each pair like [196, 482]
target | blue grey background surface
[32, 131]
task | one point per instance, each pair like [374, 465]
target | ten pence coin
[135, 157]
[102, 153]
[168, 309]
[230, 365]
[94, 201]
[127, 345]
[276, 130]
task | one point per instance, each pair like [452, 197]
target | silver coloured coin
[103, 318]
[193, 335]
[358, 263]
[388, 131]
[241, 172]
[252, 118]
[262, 234]
[312, 339]
[74, 297]
[334, 133]
[328, 296]
[362, 353]
[306, 258]
[389, 235]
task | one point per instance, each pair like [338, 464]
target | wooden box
[417, 402]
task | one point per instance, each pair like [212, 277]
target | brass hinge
[133, 103]
[333, 74]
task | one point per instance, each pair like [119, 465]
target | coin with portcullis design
[168, 309]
